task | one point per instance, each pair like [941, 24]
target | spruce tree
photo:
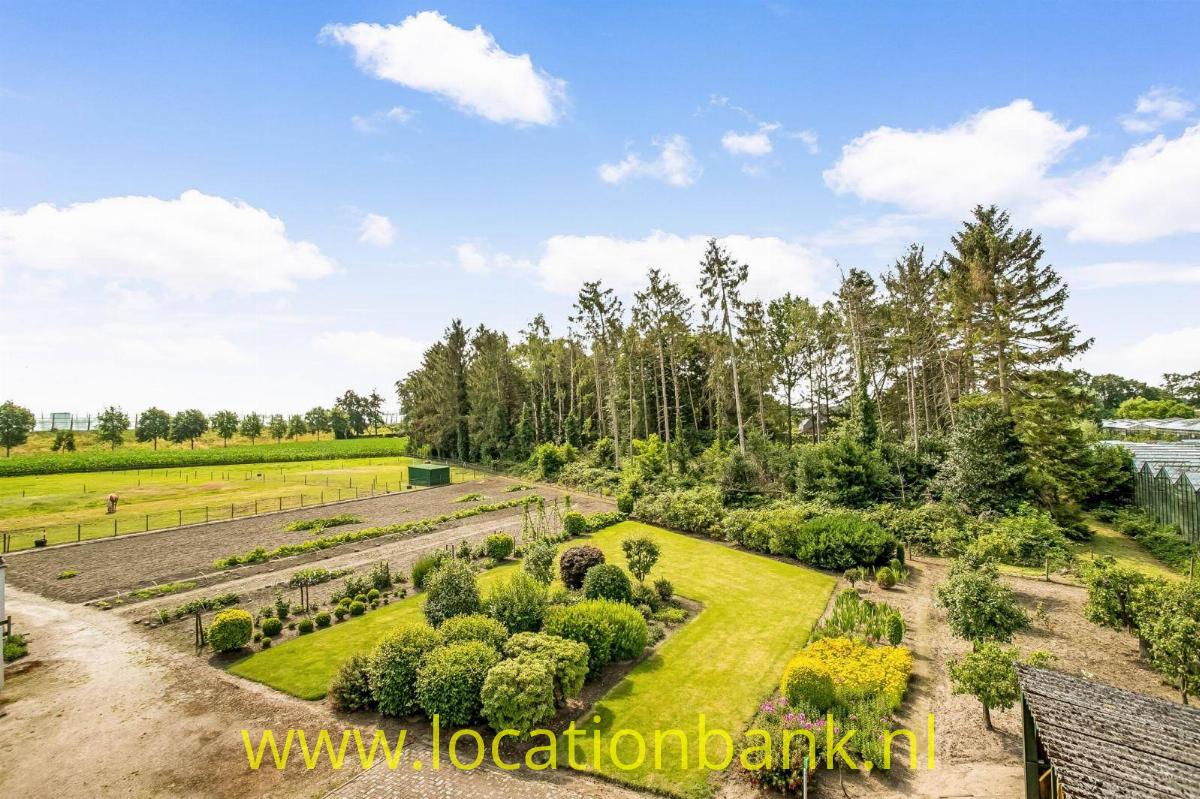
[986, 466]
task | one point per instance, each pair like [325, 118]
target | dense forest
[892, 391]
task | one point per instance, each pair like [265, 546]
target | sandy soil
[111, 566]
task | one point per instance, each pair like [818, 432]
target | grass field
[1107, 541]
[757, 613]
[73, 505]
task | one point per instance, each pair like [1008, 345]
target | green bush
[1027, 538]
[305, 626]
[373, 594]
[15, 647]
[451, 590]
[322, 619]
[574, 524]
[425, 565]
[885, 578]
[773, 530]
[607, 581]
[664, 588]
[574, 563]
[340, 612]
[518, 694]
[519, 603]
[357, 608]
[696, 510]
[842, 540]
[567, 660]
[475, 627]
[230, 630]
[394, 665]
[450, 681]
[625, 502]
[933, 527]
[611, 630]
[351, 687]
[499, 546]
[272, 627]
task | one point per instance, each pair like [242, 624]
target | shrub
[518, 694]
[272, 627]
[452, 591]
[475, 627]
[611, 630]
[773, 530]
[696, 510]
[641, 553]
[857, 672]
[607, 581]
[67, 574]
[519, 603]
[320, 524]
[351, 687]
[808, 686]
[548, 459]
[625, 502]
[450, 681]
[845, 472]
[322, 619]
[567, 660]
[305, 626]
[978, 606]
[357, 608]
[861, 619]
[425, 565]
[230, 630]
[574, 563]
[373, 594]
[340, 612]
[643, 596]
[842, 540]
[1027, 538]
[574, 524]
[499, 546]
[885, 578]
[394, 665]
[538, 562]
[664, 588]
[266, 643]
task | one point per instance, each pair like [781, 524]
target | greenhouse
[1167, 483]
[1166, 427]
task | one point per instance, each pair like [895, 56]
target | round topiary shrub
[272, 627]
[394, 665]
[361, 598]
[885, 578]
[305, 626]
[451, 590]
[323, 620]
[607, 581]
[499, 546]
[574, 563]
[450, 680]
[351, 686]
[567, 660]
[230, 630]
[518, 694]
[625, 502]
[357, 608]
[340, 611]
[474, 627]
[373, 594]
[808, 686]
[266, 643]
[574, 524]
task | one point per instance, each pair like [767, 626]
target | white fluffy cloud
[755, 144]
[1151, 357]
[566, 261]
[1150, 192]
[675, 165]
[997, 155]
[1157, 107]
[1131, 273]
[193, 245]
[467, 67]
[376, 230]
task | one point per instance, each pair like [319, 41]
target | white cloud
[1151, 357]
[1152, 191]
[996, 155]
[374, 123]
[866, 231]
[674, 165]
[193, 245]
[376, 230]
[806, 137]
[1130, 273]
[566, 261]
[755, 144]
[396, 355]
[467, 67]
[1157, 107]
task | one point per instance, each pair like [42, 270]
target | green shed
[428, 474]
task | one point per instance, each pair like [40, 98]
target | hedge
[611, 630]
[394, 666]
[450, 681]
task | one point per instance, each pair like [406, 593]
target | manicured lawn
[757, 613]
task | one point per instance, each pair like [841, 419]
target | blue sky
[357, 174]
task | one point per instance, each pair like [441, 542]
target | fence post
[256, 507]
[78, 533]
[206, 514]
[180, 518]
[114, 530]
[281, 503]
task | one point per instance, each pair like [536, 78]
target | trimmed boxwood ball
[351, 686]
[450, 680]
[357, 608]
[305, 627]
[451, 590]
[323, 619]
[611, 630]
[574, 563]
[340, 611]
[373, 594]
[394, 665]
[574, 524]
[499, 546]
[230, 629]
[607, 581]
[272, 627]
[567, 660]
[475, 627]
[518, 694]
[886, 578]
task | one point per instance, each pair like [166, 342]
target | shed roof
[1111, 743]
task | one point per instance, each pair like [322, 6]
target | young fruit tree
[152, 424]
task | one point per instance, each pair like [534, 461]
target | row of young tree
[884, 367]
[351, 415]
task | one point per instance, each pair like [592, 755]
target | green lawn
[1107, 541]
[757, 613]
